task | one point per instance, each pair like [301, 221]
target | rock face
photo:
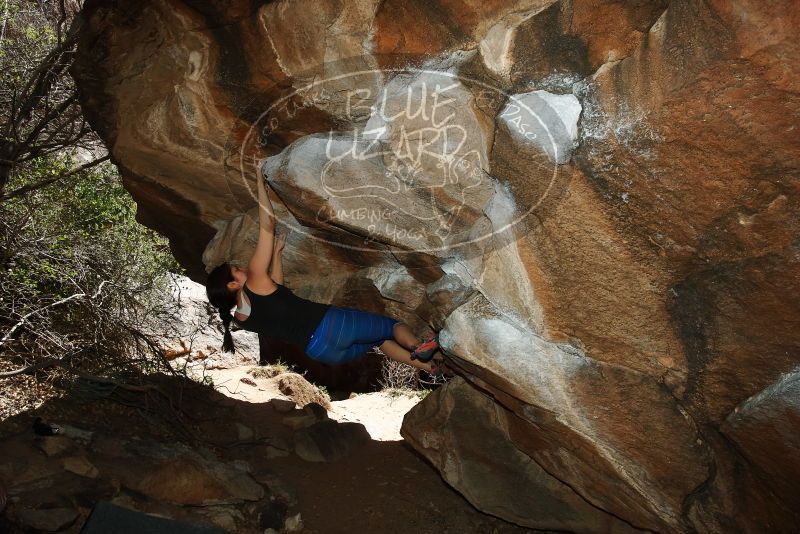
[596, 201]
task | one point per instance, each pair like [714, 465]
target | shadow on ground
[171, 447]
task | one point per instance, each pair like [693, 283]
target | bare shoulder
[262, 285]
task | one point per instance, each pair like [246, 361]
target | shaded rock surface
[478, 453]
[596, 201]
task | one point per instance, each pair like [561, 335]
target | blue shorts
[345, 334]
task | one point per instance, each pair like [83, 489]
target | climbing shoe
[425, 351]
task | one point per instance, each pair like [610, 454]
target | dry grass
[301, 391]
[393, 393]
[398, 376]
[269, 371]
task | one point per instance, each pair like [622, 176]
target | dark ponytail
[227, 339]
[223, 299]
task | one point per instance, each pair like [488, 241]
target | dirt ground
[383, 486]
[380, 486]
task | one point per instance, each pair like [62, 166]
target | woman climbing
[327, 333]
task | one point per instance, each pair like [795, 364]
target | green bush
[76, 240]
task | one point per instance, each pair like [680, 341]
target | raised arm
[276, 267]
[258, 280]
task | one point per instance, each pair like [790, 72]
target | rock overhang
[632, 277]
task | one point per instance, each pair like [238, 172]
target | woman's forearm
[266, 215]
[262, 256]
[276, 268]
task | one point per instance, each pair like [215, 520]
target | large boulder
[596, 201]
[472, 438]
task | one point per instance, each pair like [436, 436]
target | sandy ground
[381, 412]
[229, 382]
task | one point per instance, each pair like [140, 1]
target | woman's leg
[379, 331]
[349, 333]
[398, 353]
[404, 336]
[366, 327]
[353, 352]
[345, 334]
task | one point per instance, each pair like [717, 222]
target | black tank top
[283, 315]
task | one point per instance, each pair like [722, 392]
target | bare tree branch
[27, 316]
[37, 119]
[51, 305]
